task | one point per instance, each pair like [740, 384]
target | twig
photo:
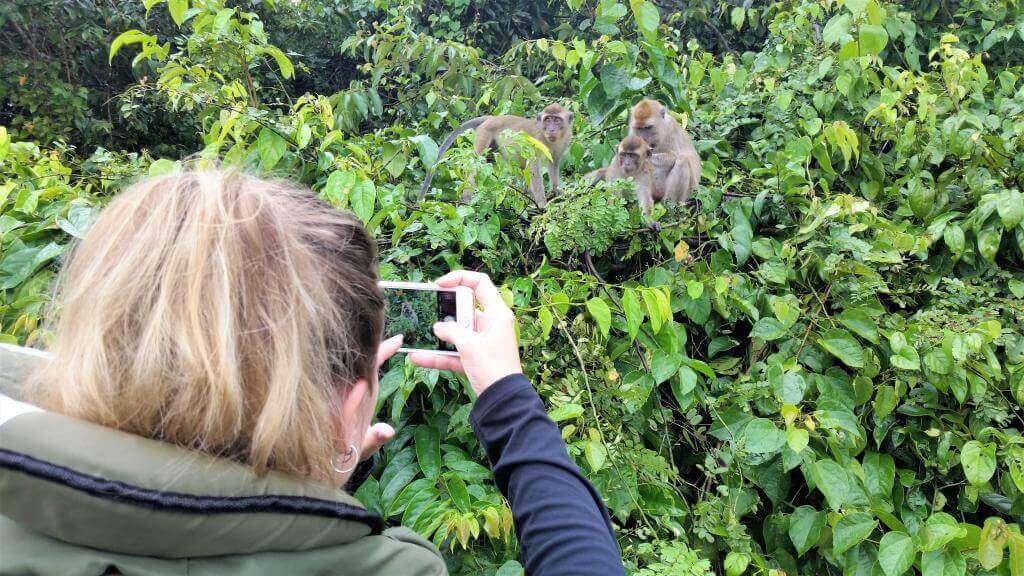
[604, 286]
[811, 324]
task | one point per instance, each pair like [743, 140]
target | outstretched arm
[561, 522]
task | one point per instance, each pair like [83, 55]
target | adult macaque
[552, 127]
[674, 159]
[633, 161]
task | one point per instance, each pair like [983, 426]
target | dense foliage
[817, 369]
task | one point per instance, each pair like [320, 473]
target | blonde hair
[218, 312]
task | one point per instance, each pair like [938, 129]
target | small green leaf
[861, 324]
[873, 39]
[991, 543]
[634, 314]
[736, 563]
[797, 439]
[363, 198]
[566, 412]
[596, 454]
[546, 321]
[939, 530]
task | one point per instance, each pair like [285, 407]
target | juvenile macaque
[674, 159]
[552, 127]
[633, 161]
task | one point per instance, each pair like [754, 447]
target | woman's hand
[486, 354]
[378, 434]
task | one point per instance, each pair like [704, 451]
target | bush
[816, 369]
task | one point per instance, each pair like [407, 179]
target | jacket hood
[98, 487]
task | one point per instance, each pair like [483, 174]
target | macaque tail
[467, 125]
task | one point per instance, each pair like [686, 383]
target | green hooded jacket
[77, 499]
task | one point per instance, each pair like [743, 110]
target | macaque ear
[540, 117]
[572, 116]
[664, 111]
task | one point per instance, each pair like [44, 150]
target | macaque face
[648, 133]
[630, 162]
[553, 126]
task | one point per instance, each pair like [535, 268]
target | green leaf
[948, 562]
[596, 454]
[872, 39]
[904, 355]
[17, 266]
[1016, 542]
[284, 64]
[797, 439]
[991, 543]
[271, 147]
[763, 437]
[458, 492]
[546, 321]
[768, 328]
[177, 9]
[953, 236]
[125, 38]
[896, 553]
[939, 530]
[601, 313]
[791, 388]
[736, 563]
[634, 314]
[844, 346]
[363, 198]
[833, 481]
[885, 401]
[978, 461]
[988, 243]
[654, 309]
[856, 7]
[565, 412]
[805, 526]
[851, 530]
[646, 15]
[428, 451]
[1010, 205]
[860, 323]
[510, 568]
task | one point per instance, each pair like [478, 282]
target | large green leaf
[428, 451]
[805, 525]
[833, 481]
[979, 461]
[761, 436]
[851, 530]
[896, 553]
[601, 313]
[844, 346]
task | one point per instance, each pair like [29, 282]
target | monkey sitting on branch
[552, 127]
[632, 161]
[674, 159]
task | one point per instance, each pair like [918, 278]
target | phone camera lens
[448, 318]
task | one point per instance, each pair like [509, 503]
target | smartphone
[412, 309]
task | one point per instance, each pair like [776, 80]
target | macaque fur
[552, 126]
[633, 161]
[675, 162]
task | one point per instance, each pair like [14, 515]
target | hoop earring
[348, 455]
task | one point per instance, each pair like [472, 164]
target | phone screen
[414, 313]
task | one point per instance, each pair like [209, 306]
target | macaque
[633, 161]
[674, 159]
[553, 127]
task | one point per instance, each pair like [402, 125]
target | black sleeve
[561, 522]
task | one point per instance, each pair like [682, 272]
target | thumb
[452, 333]
[376, 436]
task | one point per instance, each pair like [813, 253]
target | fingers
[453, 334]
[376, 436]
[436, 361]
[388, 348]
[483, 289]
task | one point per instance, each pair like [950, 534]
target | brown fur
[675, 161]
[552, 127]
[633, 161]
